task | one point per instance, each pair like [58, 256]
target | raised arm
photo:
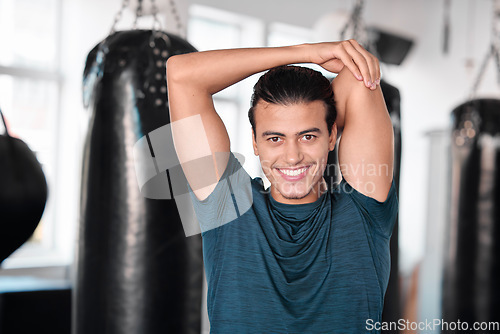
[193, 78]
[366, 148]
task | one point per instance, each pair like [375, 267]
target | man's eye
[308, 137]
[274, 139]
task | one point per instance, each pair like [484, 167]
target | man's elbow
[176, 69]
[346, 78]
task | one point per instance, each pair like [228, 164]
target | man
[296, 258]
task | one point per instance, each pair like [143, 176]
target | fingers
[352, 61]
[366, 62]
[372, 61]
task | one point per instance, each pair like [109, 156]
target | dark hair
[290, 84]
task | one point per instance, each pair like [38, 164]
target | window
[210, 29]
[29, 98]
[281, 34]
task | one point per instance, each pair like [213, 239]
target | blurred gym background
[65, 63]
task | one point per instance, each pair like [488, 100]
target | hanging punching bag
[472, 264]
[23, 193]
[136, 271]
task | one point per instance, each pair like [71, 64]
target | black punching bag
[136, 271]
[23, 193]
[471, 289]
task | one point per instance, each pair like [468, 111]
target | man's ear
[333, 137]
[255, 150]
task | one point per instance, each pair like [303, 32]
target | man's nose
[293, 153]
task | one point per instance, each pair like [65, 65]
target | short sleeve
[231, 197]
[380, 215]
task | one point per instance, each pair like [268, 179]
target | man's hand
[333, 56]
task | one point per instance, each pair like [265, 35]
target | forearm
[212, 71]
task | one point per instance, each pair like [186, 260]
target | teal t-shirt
[271, 267]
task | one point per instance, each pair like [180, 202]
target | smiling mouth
[293, 172]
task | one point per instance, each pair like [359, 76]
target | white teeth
[294, 172]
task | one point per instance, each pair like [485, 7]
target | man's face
[292, 143]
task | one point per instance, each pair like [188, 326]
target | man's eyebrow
[308, 130]
[272, 133]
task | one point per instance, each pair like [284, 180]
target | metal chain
[156, 25]
[156, 21]
[481, 72]
[177, 17]
[494, 50]
[354, 20]
[4, 124]
[446, 28]
[138, 13]
[495, 36]
[118, 16]
[155, 11]
[357, 18]
[495, 26]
